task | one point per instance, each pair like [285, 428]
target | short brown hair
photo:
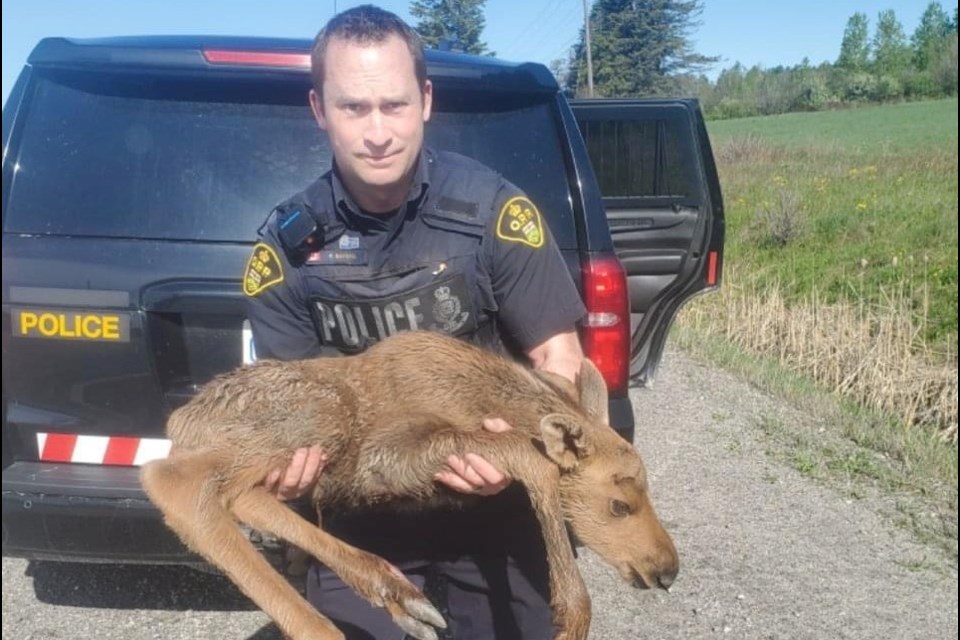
[364, 25]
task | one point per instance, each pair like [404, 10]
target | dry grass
[747, 147]
[840, 296]
[841, 254]
[873, 353]
[782, 221]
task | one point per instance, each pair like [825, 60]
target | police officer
[400, 237]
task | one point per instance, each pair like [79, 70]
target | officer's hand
[299, 476]
[473, 474]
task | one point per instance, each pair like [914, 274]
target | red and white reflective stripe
[116, 450]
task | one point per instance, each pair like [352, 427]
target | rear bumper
[84, 513]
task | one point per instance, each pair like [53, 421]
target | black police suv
[136, 172]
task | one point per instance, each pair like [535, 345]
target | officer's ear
[427, 100]
[316, 105]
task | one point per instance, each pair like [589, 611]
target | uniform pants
[491, 586]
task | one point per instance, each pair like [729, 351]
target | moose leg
[568, 593]
[369, 575]
[569, 599]
[512, 454]
[185, 489]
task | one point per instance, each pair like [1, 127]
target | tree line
[870, 68]
[644, 48]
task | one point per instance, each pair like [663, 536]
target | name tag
[334, 256]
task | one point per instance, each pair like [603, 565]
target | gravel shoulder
[766, 552]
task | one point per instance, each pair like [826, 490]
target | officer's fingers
[465, 471]
[291, 477]
[496, 425]
[486, 471]
[456, 464]
[312, 466]
[454, 481]
[270, 482]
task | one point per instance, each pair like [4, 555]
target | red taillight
[257, 58]
[713, 259]
[606, 330]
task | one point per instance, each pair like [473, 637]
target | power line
[586, 33]
[564, 48]
[523, 37]
[557, 22]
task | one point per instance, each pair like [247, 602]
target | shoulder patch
[263, 270]
[520, 221]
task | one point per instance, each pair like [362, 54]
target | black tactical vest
[430, 277]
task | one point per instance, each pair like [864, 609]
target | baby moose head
[603, 489]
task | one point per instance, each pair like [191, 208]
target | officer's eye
[393, 107]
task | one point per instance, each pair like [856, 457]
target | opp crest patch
[263, 270]
[520, 221]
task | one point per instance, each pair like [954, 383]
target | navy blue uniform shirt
[468, 254]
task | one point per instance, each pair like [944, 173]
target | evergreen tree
[640, 47]
[855, 47]
[459, 22]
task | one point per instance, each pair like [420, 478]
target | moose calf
[388, 419]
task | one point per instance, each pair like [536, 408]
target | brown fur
[388, 419]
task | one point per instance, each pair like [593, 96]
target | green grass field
[868, 130]
[840, 295]
[858, 204]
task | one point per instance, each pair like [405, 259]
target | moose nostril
[638, 582]
[665, 581]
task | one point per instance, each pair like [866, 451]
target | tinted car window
[139, 157]
[640, 158]
[125, 157]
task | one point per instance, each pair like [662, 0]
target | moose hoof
[415, 628]
[415, 616]
[423, 610]
[411, 610]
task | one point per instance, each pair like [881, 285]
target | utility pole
[586, 30]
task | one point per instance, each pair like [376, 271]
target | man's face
[374, 112]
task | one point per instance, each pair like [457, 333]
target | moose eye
[619, 509]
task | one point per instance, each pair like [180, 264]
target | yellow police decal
[71, 325]
[263, 270]
[520, 221]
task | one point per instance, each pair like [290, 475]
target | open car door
[661, 192]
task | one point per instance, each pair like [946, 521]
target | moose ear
[564, 441]
[559, 382]
[593, 392]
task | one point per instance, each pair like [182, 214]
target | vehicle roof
[186, 52]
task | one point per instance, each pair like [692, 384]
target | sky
[763, 32]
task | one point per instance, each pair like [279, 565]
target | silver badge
[349, 243]
[447, 310]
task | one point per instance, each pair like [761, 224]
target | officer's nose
[377, 136]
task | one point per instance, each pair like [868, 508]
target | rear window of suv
[642, 158]
[133, 156]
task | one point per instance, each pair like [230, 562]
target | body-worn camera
[296, 229]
